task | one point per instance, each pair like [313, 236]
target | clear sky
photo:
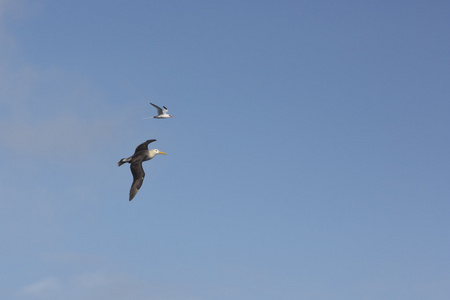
[308, 156]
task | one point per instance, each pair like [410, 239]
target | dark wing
[160, 112]
[143, 146]
[138, 177]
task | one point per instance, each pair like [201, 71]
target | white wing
[160, 111]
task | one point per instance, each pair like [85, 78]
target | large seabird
[140, 155]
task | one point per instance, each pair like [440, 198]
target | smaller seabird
[140, 155]
[162, 112]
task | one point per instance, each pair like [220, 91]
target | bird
[140, 155]
[162, 112]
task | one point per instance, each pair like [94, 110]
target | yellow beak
[160, 152]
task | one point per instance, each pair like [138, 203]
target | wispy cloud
[55, 113]
[72, 257]
[84, 282]
[98, 279]
[62, 137]
[104, 285]
[90, 285]
[40, 287]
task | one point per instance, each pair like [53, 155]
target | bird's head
[154, 152]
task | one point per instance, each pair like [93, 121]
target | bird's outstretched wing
[138, 177]
[160, 111]
[165, 109]
[143, 146]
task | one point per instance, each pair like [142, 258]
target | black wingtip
[150, 141]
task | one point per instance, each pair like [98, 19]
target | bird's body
[162, 112]
[140, 155]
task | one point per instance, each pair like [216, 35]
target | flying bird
[162, 112]
[140, 155]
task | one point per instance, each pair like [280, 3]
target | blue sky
[307, 159]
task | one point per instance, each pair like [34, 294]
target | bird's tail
[123, 160]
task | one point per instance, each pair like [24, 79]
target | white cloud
[104, 285]
[50, 112]
[90, 285]
[40, 287]
[98, 279]
[45, 111]
[72, 257]
[82, 283]
[64, 137]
